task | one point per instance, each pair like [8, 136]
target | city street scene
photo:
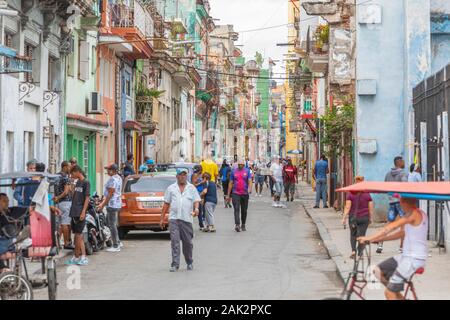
[224, 150]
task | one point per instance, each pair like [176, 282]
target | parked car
[142, 202]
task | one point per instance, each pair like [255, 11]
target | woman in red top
[359, 208]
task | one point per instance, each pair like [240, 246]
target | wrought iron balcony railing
[131, 16]
[11, 62]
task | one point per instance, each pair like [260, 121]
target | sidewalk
[433, 284]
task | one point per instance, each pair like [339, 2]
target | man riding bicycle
[395, 271]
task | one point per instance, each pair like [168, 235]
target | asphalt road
[279, 257]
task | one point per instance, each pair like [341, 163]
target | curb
[333, 252]
[59, 261]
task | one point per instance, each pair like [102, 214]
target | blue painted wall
[380, 56]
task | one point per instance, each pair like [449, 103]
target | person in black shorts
[80, 202]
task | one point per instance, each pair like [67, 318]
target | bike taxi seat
[420, 271]
[8, 256]
[38, 252]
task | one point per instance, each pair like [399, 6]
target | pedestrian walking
[128, 169]
[80, 202]
[359, 210]
[414, 173]
[290, 179]
[63, 201]
[320, 172]
[210, 167]
[210, 200]
[239, 191]
[224, 174]
[396, 174]
[259, 179]
[113, 203]
[197, 181]
[277, 178]
[181, 201]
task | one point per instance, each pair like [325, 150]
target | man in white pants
[182, 199]
[277, 177]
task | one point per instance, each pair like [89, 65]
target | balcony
[144, 111]
[11, 62]
[131, 22]
[320, 7]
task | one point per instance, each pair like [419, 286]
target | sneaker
[190, 267]
[206, 229]
[113, 249]
[243, 228]
[120, 244]
[237, 228]
[83, 262]
[173, 269]
[274, 204]
[380, 248]
[72, 261]
[316, 207]
[326, 207]
[212, 229]
[282, 206]
[292, 199]
[400, 250]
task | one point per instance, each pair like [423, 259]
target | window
[53, 73]
[93, 60]
[29, 50]
[71, 59]
[10, 151]
[8, 40]
[128, 87]
[28, 144]
[83, 60]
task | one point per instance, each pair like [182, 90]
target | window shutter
[84, 61]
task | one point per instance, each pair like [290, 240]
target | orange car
[142, 202]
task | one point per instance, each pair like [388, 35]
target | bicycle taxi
[360, 276]
[36, 223]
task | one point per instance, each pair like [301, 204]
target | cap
[241, 161]
[182, 170]
[150, 161]
[113, 167]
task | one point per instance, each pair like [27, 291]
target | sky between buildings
[254, 14]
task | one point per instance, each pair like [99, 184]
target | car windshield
[149, 184]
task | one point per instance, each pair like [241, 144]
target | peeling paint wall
[418, 61]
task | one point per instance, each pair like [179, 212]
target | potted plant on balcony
[322, 36]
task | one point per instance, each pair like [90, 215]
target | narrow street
[279, 257]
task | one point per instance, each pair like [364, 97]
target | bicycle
[360, 277]
[16, 284]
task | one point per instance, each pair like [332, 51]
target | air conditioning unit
[95, 106]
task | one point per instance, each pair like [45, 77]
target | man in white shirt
[181, 201]
[277, 177]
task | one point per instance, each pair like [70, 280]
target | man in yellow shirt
[209, 166]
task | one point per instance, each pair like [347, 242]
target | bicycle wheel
[52, 283]
[14, 287]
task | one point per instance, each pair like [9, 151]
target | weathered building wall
[379, 116]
